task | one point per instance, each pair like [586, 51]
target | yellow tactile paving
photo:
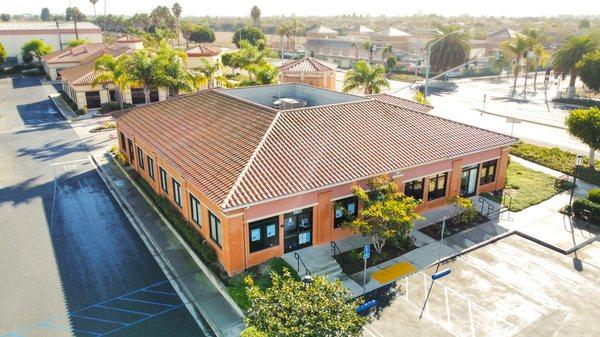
[394, 272]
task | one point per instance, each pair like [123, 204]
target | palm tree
[264, 74]
[450, 49]
[517, 48]
[94, 2]
[141, 70]
[368, 46]
[176, 9]
[363, 75]
[569, 54]
[210, 74]
[171, 71]
[108, 68]
[386, 52]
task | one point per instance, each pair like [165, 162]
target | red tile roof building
[239, 165]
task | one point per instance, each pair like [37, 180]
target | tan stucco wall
[13, 43]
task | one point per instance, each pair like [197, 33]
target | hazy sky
[321, 7]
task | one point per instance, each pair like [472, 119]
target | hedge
[588, 103]
[594, 195]
[581, 204]
[193, 238]
[556, 159]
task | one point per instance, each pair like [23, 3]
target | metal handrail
[335, 247]
[504, 198]
[483, 202]
[299, 260]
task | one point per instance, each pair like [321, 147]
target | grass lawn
[435, 230]
[556, 159]
[527, 187]
[404, 77]
[352, 260]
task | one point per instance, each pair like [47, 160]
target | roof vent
[288, 103]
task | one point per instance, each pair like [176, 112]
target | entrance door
[298, 229]
[468, 182]
[92, 99]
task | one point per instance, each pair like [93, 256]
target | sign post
[366, 255]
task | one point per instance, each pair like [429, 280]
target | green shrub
[581, 204]
[588, 103]
[594, 195]
[237, 290]
[278, 264]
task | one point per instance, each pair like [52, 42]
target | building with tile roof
[360, 31]
[322, 32]
[310, 71]
[54, 62]
[258, 178]
[78, 81]
[13, 35]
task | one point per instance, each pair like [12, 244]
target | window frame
[217, 228]
[343, 203]
[412, 182]
[176, 192]
[196, 206]
[131, 152]
[484, 175]
[150, 167]
[264, 242]
[140, 154]
[163, 179]
[437, 192]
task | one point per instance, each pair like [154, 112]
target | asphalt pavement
[70, 262]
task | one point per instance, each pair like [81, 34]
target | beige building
[359, 31]
[495, 39]
[63, 59]
[78, 81]
[391, 36]
[308, 71]
[321, 32]
[13, 35]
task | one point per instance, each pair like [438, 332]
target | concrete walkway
[204, 293]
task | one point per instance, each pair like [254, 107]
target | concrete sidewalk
[197, 283]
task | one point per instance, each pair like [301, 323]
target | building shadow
[25, 82]
[39, 112]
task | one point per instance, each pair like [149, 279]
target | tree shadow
[58, 148]
[384, 297]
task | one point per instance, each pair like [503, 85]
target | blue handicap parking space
[112, 315]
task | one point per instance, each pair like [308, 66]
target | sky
[320, 7]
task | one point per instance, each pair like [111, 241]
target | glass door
[468, 182]
[298, 229]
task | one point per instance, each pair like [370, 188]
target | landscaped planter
[434, 231]
[352, 260]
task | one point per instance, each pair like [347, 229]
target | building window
[264, 234]
[177, 192]
[437, 186]
[150, 167]
[163, 179]
[123, 143]
[195, 210]
[131, 157]
[138, 96]
[112, 95]
[414, 189]
[488, 172]
[344, 210]
[140, 157]
[215, 228]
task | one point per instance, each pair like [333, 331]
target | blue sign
[440, 274]
[367, 252]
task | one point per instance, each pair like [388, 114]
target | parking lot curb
[195, 311]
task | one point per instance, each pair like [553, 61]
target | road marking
[70, 162]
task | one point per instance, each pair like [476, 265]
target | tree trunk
[515, 83]
[573, 79]
[378, 243]
[147, 94]
[526, 78]
[592, 157]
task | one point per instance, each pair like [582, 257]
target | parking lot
[512, 287]
[71, 264]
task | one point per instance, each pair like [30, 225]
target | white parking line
[374, 332]
[69, 162]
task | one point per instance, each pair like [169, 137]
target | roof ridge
[402, 98]
[246, 168]
[263, 107]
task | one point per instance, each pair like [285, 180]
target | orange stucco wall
[234, 252]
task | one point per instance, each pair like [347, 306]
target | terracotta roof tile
[239, 153]
[307, 64]
[202, 50]
[402, 102]
[209, 137]
[75, 54]
[83, 74]
[314, 147]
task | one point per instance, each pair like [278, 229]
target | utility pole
[59, 38]
[104, 7]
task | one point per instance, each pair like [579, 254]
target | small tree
[584, 124]
[248, 33]
[464, 211]
[3, 55]
[387, 213]
[420, 97]
[35, 47]
[292, 308]
[589, 70]
[255, 15]
[4, 17]
[45, 14]
[390, 63]
[202, 34]
[75, 43]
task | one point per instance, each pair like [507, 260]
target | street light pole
[578, 162]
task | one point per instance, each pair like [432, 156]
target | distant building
[130, 41]
[495, 39]
[309, 71]
[63, 59]
[13, 35]
[391, 36]
[359, 31]
[200, 54]
[322, 32]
